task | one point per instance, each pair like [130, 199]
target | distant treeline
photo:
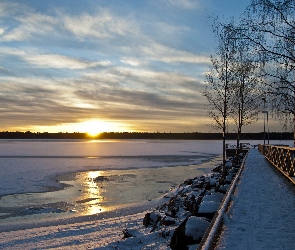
[145, 135]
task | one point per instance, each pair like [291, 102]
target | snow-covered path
[262, 215]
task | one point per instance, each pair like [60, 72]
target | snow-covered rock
[195, 227]
[189, 232]
[223, 188]
[228, 164]
[208, 208]
[215, 196]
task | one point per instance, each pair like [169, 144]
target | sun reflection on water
[93, 195]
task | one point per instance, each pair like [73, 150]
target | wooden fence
[282, 157]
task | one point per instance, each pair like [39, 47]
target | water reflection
[92, 195]
[94, 192]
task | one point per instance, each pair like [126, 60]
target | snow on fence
[282, 157]
[213, 230]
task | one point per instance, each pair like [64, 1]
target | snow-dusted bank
[180, 221]
[192, 206]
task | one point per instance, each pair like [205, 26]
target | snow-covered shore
[151, 224]
[180, 218]
[97, 232]
[29, 166]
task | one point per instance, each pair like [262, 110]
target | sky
[108, 65]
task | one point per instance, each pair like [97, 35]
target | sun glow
[92, 127]
[95, 127]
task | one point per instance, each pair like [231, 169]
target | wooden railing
[282, 157]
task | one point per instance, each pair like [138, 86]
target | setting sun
[95, 127]
[91, 127]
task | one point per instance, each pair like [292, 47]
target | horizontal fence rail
[282, 157]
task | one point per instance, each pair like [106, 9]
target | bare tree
[219, 79]
[232, 83]
[245, 100]
[270, 26]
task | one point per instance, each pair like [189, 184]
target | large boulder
[214, 196]
[189, 232]
[208, 209]
[210, 204]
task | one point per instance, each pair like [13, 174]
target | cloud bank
[69, 62]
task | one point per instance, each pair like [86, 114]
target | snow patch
[195, 227]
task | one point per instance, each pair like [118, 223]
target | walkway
[262, 215]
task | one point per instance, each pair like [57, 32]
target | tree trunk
[224, 117]
[238, 145]
[239, 133]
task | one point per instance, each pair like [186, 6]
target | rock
[172, 212]
[178, 240]
[202, 178]
[191, 204]
[217, 169]
[208, 209]
[215, 196]
[196, 227]
[146, 220]
[167, 221]
[155, 217]
[151, 219]
[227, 180]
[207, 185]
[126, 234]
[188, 182]
[213, 182]
[223, 188]
[230, 177]
[228, 164]
[186, 189]
[198, 184]
[189, 232]
[210, 204]
[174, 204]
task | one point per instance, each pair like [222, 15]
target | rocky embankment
[191, 207]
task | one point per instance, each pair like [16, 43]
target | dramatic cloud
[141, 64]
[58, 61]
[104, 25]
[30, 25]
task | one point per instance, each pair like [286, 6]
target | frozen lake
[100, 175]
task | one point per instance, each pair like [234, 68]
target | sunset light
[155, 124]
[96, 60]
[91, 127]
[95, 127]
